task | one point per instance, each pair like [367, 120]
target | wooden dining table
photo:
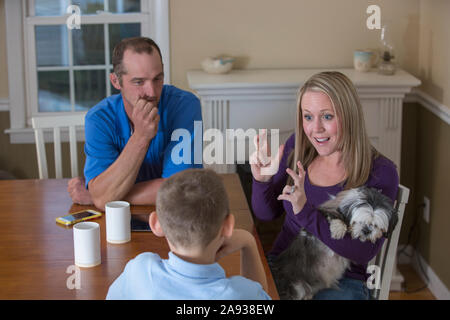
[37, 254]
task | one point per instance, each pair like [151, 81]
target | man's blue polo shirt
[107, 131]
[148, 277]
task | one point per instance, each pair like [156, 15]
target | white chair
[386, 258]
[56, 123]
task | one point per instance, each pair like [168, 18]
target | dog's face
[367, 212]
[368, 223]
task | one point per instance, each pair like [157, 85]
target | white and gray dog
[308, 265]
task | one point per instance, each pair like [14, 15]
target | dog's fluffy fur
[308, 265]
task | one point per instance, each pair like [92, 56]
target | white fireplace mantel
[267, 99]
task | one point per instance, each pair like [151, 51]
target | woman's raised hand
[263, 165]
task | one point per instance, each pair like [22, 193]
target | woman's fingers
[254, 160]
[301, 169]
[287, 193]
[296, 177]
[295, 194]
[287, 189]
[256, 142]
[280, 153]
[285, 196]
[260, 141]
[262, 149]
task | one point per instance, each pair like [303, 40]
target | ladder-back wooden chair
[56, 123]
[386, 258]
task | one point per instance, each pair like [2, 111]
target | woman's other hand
[295, 194]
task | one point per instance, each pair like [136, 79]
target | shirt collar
[192, 270]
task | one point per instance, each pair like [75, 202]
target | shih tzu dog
[308, 265]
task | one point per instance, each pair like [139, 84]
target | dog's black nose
[366, 231]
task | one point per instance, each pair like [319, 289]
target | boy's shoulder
[141, 262]
[241, 288]
[134, 282]
[146, 257]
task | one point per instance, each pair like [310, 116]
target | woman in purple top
[329, 152]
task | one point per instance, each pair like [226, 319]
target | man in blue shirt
[129, 136]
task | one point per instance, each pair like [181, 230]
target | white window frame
[21, 56]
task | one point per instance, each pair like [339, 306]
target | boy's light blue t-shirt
[107, 131]
[148, 277]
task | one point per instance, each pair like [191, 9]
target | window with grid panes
[69, 68]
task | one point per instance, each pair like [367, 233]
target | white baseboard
[436, 286]
[396, 281]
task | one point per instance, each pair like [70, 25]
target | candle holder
[387, 65]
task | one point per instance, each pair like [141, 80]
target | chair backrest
[385, 259]
[56, 123]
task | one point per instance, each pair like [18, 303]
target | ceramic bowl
[217, 65]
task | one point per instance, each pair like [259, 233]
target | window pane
[88, 45]
[52, 46]
[54, 91]
[124, 6]
[117, 32]
[90, 6]
[90, 88]
[50, 7]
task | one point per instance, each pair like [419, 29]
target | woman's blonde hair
[353, 141]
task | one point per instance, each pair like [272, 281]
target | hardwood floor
[414, 287]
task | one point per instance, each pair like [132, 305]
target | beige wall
[433, 181]
[285, 33]
[426, 171]
[432, 162]
[434, 52]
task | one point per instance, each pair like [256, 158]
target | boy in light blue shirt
[192, 212]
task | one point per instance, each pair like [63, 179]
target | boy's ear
[228, 226]
[154, 225]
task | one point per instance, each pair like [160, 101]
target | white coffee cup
[118, 222]
[86, 242]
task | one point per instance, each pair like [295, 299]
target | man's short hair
[138, 45]
[191, 207]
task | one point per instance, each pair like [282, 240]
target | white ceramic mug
[118, 222]
[86, 242]
[362, 60]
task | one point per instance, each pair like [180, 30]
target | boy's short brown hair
[191, 207]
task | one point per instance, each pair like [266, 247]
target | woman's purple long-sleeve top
[266, 207]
